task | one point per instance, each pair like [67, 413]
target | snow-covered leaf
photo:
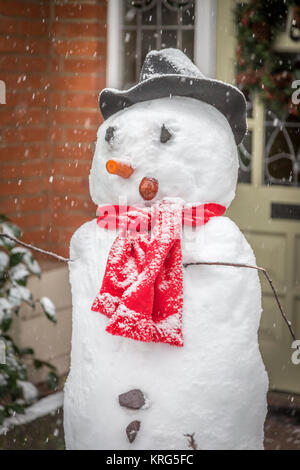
[4, 260]
[28, 259]
[4, 304]
[5, 308]
[30, 392]
[49, 308]
[19, 272]
[12, 230]
[19, 293]
[32, 265]
[52, 380]
[15, 258]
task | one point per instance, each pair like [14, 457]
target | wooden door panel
[270, 252]
[275, 241]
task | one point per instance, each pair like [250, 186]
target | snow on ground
[41, 408]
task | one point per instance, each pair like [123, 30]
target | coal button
[133, 399]
[132, 430]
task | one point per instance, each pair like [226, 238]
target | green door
[265, 198]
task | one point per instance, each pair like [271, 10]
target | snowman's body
[215, 386]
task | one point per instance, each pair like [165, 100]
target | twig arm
[205, 263]
[35, 248]
[279, 305]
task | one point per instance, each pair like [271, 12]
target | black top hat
[170, 72]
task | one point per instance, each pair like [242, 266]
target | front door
[267, 206]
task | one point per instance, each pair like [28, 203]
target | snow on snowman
[164, 351]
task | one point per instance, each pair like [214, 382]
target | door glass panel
[188, 43]
[169, 15]
[148, 42]
[129, 57]
[188, 14]
[149, 16]
[249, 97]
[245, 157]
[282, 133]
[282, 150]
[168, 39]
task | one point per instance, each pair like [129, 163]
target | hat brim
[228, 99]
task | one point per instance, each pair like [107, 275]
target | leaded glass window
[282, 150]
[282, 140]
[245, 159]
[154, 24]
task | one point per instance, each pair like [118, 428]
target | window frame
[204, 34]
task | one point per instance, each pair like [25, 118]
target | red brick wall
[53, 60]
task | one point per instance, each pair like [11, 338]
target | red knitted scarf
[142, 288]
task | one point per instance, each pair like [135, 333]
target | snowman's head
[168, 147]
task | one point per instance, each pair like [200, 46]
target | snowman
[165, 352]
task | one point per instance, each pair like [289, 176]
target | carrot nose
[119, 168]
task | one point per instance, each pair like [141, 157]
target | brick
[35, 98]
[32, 186]
[79, 135]
[21, 116]
[33, 203]
[80, 48]
[34, 28]
[82, 100]
[12, 99]
[22, 81]
[26, 169]
[9, 26]
[8, 205]
[8, 188]
[68, 185]
[23, 9]
[54, 235]
[30, 135]
[79, 83]
[35, 237]
[81, 29]
[19, 153]
[28, 220]
[62, 249]
[73, 204]
[11, 136]
[55, 100]
[51, 98]
[70, 220]
[64, 237]
[21, 64]
[80, 11]
[27, 135]
[56, 134]
[95, 65]
[27, 46]
[73, 168]
[77, 118]
[73, 152]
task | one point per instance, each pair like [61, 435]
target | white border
[114, 44]
[205, 36]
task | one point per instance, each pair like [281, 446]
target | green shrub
[16, 265]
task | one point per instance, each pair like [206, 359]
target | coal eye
[109, 134]
[165, 135]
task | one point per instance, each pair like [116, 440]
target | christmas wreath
[259, 68]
